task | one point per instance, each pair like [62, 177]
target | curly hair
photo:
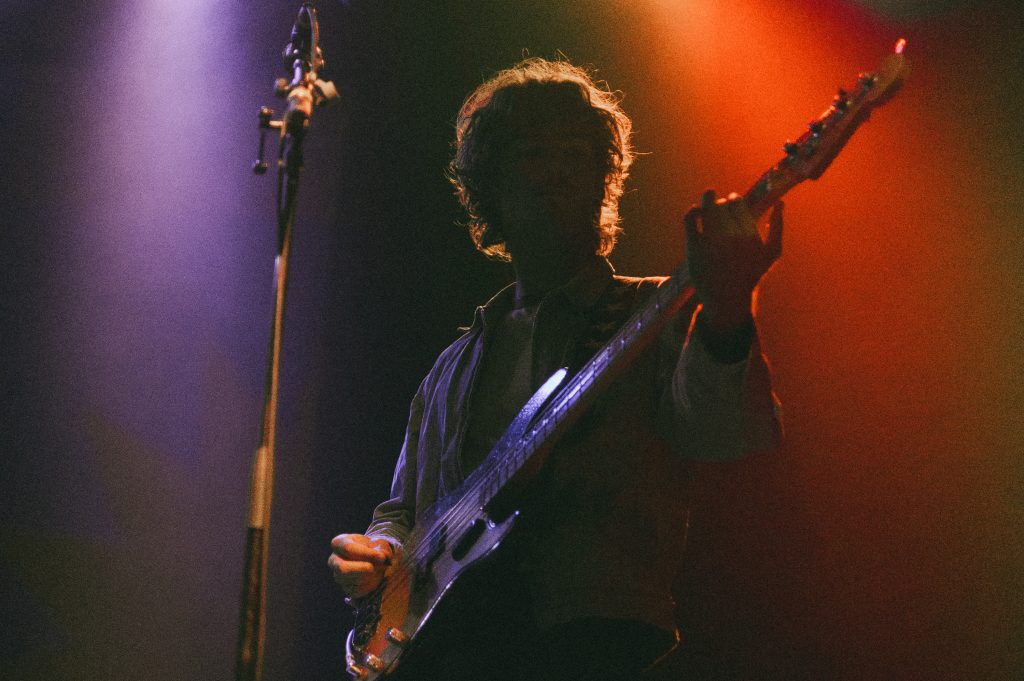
[491, 118]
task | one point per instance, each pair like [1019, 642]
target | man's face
[550, 190]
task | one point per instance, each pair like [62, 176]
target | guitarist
[583, 591]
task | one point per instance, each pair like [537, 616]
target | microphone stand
[303, 55]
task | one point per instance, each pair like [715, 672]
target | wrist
[726, 338]
[729, 317]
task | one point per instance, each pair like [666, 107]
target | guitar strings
[461, 511]
[456, 516]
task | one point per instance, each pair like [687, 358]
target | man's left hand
[727, 257]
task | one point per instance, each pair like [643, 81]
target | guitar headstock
[809, 156]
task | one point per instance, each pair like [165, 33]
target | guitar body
[389, 619]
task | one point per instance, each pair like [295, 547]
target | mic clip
[306, 90]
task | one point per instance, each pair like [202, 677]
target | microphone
[303, 55]
[305, 33]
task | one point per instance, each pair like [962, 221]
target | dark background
[884, 541]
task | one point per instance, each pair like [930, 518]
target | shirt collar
[583, 290]
[587, 285]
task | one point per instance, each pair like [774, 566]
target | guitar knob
[357, 672]
[397, 636]
[375, 663]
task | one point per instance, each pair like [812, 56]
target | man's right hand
[358, 563]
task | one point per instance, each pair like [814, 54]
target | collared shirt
[606, 532]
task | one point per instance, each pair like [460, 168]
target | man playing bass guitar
[582, 589]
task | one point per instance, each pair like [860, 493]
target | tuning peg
[841, 102]
[866, 80]
[815, 127]
[791, 148]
